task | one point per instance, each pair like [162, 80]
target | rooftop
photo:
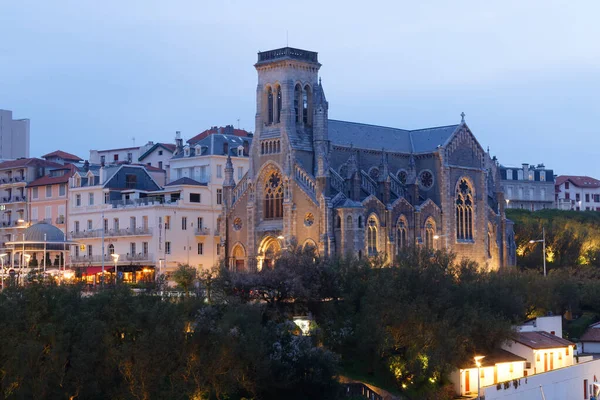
[225, 130]
[185, 181]
[498, 356]
[541, 340]
[287, 53]
[579, 181]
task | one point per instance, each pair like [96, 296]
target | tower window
[297, 99]
[270, 106]
[464, 211]
[401, 235]
[278, 114]
[274, 196]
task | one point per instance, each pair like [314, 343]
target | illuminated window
[429, 234]
[401, 235]
[464, 211]
[482, 372]
[511, 368]
[372, 236]
[274, 196]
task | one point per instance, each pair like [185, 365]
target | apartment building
[580, 193]
[14, 136]
[14, 177]
[528, 187]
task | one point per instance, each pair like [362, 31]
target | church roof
[375, 137]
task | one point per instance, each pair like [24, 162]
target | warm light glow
[68, 274]
[532, 241]
[20, 221]
[115, 257]
[146, 270]
[436, 237]
[3, 255]
[280, 237]
[27, 257]
[304, 324]
[478, 360]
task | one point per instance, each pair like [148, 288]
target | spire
[228, 173]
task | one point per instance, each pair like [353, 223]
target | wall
[562, 384]
[14, 136]
[590, 347]
[551, 324]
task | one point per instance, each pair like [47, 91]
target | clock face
[426, 179]
[237, 224]
[309, 219]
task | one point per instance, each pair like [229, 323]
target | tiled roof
[52, 180]
[150, 167]
[541, 340]
[579, 181]
[592, 334]
[28, 162]
[497, 356]
[226, 130]
[185, 181]
[375, 137]
[62, 154]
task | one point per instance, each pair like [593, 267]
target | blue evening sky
[93, 74]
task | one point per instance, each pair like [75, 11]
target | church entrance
[268, 251]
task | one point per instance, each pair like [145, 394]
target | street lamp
[543, 241]
[437, 237]
[116, 260]
[507, 203]
[478, 364]
[2, 261]
[160, 264]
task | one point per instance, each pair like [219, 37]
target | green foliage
[185, 277]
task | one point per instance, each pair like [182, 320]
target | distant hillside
[572, 237]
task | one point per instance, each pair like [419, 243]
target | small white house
[551, 324]
[543, 351]
[590, 340]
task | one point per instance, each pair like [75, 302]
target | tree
[185, 277]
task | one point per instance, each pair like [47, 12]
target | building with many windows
[120, 210]
[580, 193]
[528, 187]
[351, 188]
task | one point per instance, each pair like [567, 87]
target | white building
[528, 187]
[551, 324]
[14, 136]
[152, 230]
[577, 193]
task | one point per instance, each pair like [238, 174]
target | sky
[93, 74]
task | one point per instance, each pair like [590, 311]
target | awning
[95, 270]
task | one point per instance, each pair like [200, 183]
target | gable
[464, 150]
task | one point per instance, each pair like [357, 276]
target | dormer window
[198, 149]
[240, 151]
[186, 152]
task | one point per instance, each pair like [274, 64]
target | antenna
[238, 120]
[133, 139]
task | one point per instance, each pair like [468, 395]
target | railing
[92, 259]
[124, 258]
[138, 257]
[139, 202]
[361, 390]
[111, 233]
[336, 180]
[202, 231]
[396, 186]
[241, 187]
[14, 199]
[288, 52]
[60, 220]
[305, 180]
[368, 184]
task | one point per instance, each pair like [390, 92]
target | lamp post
[543, 241]
[2, 261]
[507, 203]
[478, 364]
[160, 263]
[437, 237]
[116, 260]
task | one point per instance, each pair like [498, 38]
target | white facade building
[14, 136]
[580, 193]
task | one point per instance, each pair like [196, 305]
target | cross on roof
[462, 117]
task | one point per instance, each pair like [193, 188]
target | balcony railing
[108, 259]
[14, 199]
[60, 220]
[140, 202]
[96, 233]
[202, 231]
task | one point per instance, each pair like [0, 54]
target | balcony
[11, 179]
[140, 202]
[108, 260]
[14, 199]
[97, 233]
[60, 220]
[202, 231]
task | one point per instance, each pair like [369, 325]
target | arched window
[111, 249]
[360, 221]
[401, 235]
[490, 240]
[429, 234]
[297, 99]
[274, 196]
[278, 115]
[307, 105]
[270, 106]
[372, 236]
[338, 222]
[464, 211]
[349, 222]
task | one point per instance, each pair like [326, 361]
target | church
[352, 189]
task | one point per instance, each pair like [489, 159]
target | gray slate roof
[186, 181]
[213, 145]
[375, 137]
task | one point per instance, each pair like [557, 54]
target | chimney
[86, 166]
[178, 142]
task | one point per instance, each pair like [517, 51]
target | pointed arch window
[401, 235]
[297, 99]
[278, 114]
[274, 196]
[429, 234]
[464, 211]
[372, 236]
[349, 222]
[306, 105]
[269, 106]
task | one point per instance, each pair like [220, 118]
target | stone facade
[348, 188]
